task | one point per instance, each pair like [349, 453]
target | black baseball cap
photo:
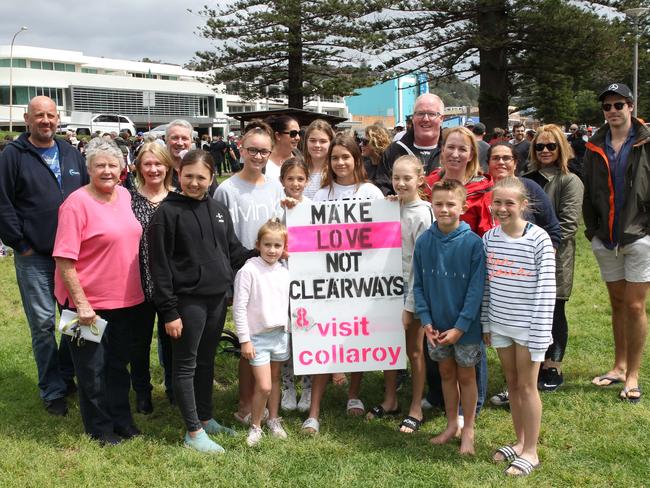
[617, 89]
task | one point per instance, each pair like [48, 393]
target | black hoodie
[193, 251]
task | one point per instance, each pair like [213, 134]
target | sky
[157, 29]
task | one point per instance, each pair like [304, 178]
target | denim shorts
[465, 355]
[500, 341]
[270, 346]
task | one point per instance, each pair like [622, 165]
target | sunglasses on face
[291, 133]
[365, 142]
[617, 105]
[551, 146]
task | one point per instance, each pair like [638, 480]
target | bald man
[422, 141]
[37, 173]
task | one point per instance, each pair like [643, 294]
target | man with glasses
[422, 141]
[616, 211]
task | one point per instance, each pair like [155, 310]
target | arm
[588, 211]
[241, 298]
[161, 233]
[10, 224]
[542, 210]
[71, 281]
[571, 196]
[541, 321]
[486, 291]
[420, 225]
[419, 293]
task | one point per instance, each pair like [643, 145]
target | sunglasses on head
[617, 105]
[292, 133]
[551, 146]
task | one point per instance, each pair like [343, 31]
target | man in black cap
[616, 210]
[478, 131]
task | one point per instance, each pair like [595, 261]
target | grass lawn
[589, 437]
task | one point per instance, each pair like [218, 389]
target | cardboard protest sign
[346, 286]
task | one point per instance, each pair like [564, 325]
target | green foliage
[587, 110]
[589, 438]
[304, 47]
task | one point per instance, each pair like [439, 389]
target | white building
[147, 93]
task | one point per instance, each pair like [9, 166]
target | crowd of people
[143, 234]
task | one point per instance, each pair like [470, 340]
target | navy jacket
[30, 195]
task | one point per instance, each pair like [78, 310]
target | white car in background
[84, 123]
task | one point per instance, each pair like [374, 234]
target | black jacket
[30, 195]
[598, 203]
[193, 251]
[384, 175]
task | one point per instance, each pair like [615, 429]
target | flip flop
[611, 380]
[625, 395]
[410, 422]
[379, 412]
[523, 466]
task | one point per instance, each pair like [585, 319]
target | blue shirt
[617, 167]
[50, 156]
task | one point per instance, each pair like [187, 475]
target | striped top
[519, 295]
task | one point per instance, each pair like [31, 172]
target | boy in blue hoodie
[449, 268]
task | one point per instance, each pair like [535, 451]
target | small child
[449, 272]
[260, 312]
[517, 315]
[294, 176]
[416, 218]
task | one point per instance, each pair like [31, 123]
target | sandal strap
[508, 453]
[523, 465]
[411, 422]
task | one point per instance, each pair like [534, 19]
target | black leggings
[193, 356]
[560, 332]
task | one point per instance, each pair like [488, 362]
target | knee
[264, 389]
[635, 309]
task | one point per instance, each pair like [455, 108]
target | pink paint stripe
[345, 237]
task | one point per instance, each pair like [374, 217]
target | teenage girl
[416, 217]
[252, 199]
[319, 136]
[344, 179]
[294, 176]
[520, 257]
[260, 311]
[192, 240]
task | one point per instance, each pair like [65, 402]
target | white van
[84, 123]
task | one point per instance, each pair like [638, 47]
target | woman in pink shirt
[98, 275]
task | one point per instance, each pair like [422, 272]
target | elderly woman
[154, 167]
[373, 145]
[98, 275]
[549, 159]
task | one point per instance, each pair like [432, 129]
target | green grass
[589, 437]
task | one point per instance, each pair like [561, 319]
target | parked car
[83, 123]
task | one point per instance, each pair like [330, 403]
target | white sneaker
[305, 400]
[425, 404]
[254, 436]
[289, 402]
[501, 399]
[275, 426]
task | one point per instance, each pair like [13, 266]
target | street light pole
[11, 80]
[635, 13]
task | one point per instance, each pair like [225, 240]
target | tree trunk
[493, 63]
[294, 88]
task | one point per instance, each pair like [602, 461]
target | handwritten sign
[346, 286]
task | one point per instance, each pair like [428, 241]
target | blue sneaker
[203, 443]
[214, 427]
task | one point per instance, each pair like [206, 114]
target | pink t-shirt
[103, 239]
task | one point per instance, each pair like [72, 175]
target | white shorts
[631, 263]
[500, 341]
[270, 346]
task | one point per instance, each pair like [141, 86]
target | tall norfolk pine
[308, 47]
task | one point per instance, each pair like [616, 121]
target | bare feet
[446, 435]
[467, 441]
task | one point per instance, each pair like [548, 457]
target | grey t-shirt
[250, 205]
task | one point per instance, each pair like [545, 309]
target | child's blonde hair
[512, 183]
[272, 226]
[415, 162]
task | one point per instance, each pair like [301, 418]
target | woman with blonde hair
[549, 159]
[373, 145]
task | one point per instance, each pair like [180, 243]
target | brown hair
[378, 140]
[564, 150]
[291, 163]
[321, 125]
[351, 145]
[197, 156]
[454, 186]
[258, 126]
[473, 166]
[161, 153]
[273, 225]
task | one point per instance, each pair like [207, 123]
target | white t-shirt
[272, 171]
[365, 191]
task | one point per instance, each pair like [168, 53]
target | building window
[59, 67]
[36, 64]
[48, 65]
[169, 77]
[218, 104]
[18, 63]
[23, 94]
[71, 68]
[89, 70]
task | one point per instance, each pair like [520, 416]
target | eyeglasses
[551, 146]
[431, 115]
[573, 129]
[505, 159]
[617, 105]
[365, 142]
[291, 133]
[253, 151]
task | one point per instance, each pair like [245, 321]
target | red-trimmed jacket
[598, 202]
[479, 197]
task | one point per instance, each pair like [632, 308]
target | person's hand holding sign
[247, 350]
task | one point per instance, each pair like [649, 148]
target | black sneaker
[108, 439]
[550, 380]
[143, 403]
[58, 406]
[128, 432]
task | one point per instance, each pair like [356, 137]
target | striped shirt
[519, 296]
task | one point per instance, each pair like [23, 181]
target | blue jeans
[35, 277]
